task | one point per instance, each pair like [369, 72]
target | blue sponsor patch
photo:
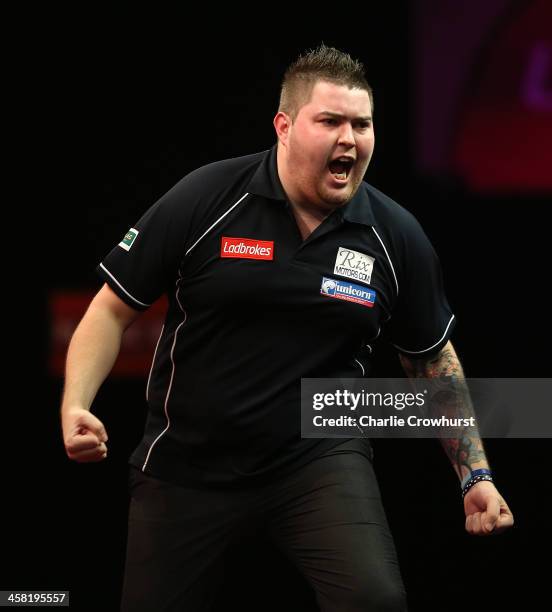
[347, 291]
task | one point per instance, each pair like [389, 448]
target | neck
[308, 215]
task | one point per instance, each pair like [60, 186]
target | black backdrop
[125, 104]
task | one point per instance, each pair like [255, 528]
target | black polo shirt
[253, 308]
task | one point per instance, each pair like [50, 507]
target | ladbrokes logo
[246, 248]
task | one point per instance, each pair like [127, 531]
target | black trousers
[327, 517]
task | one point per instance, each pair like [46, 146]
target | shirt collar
[266, 182]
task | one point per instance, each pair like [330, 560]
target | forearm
[466, 452]
[92, 353]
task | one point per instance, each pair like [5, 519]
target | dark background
[124, 104]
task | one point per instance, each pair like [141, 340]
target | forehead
[338, 99]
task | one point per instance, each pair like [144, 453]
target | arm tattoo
[466, 452]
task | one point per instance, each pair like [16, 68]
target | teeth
[341, 175]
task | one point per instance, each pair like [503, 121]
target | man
[246, 249]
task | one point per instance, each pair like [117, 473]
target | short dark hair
[321, 64]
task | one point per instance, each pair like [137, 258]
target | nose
[346, 135]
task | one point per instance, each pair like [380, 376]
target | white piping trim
[122, 288]
[215, 223]
[361, 366]
[153, 361]
[432, 346]
[369, 346]
[170, 382]
[389, 259]
[377, 335]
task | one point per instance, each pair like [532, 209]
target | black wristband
[474, 480]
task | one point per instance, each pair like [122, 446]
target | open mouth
[340, 168]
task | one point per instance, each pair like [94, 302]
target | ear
[282, 124]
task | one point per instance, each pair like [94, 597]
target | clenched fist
[84, 436]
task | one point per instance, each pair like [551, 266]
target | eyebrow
[340, 116]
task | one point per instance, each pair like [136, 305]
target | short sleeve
[422, 321]
[142, 266]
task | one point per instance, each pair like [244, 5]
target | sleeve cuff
[434, 348]
[118, 288]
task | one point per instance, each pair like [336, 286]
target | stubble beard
[339, 197]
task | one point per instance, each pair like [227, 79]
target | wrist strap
[474, 473]
[474, 480]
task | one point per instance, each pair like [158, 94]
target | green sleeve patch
[129, 239]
